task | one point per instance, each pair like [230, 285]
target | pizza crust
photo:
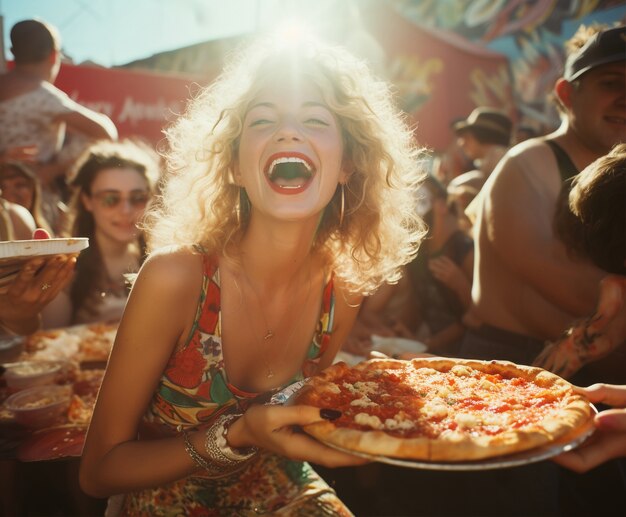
[465, 443]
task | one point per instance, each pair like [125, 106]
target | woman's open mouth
[289, 173]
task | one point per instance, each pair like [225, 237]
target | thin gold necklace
[269, 334]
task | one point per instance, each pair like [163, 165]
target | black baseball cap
[602, 48]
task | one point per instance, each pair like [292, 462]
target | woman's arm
[157, 318]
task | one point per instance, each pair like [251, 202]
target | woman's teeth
[289, 172]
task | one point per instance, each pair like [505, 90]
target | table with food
[48, 387]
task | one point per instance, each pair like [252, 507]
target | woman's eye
[317, 121]
[260, 122]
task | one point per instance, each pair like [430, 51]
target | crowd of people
[296, 218]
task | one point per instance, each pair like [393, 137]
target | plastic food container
[27, 374]
[39, 406]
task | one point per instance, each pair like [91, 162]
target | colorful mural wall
[530, 33]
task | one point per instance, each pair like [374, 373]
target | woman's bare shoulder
[173, 267]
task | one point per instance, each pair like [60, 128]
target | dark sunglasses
[113, 198]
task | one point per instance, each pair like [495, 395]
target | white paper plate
[397, 345]
[35, 248]
[13, 254]
[565, 444]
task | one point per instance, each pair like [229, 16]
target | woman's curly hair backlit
[200, 201]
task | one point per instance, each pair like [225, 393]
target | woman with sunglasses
[112, 184]
[288, 196]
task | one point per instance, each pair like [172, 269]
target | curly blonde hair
[200, 203]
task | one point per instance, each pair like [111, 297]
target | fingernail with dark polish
[330, 414]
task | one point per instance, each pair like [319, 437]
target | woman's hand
[609, 439]
[273, 428]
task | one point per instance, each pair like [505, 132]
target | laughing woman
[289, 196]
[112, 183]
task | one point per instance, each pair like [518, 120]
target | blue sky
[112, 32]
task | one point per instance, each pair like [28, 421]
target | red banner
[139, 103]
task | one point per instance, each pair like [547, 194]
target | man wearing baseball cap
[527, 290]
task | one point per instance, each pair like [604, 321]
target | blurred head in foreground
[595, 224]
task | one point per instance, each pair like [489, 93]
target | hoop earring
[343, 205]
[244, 206]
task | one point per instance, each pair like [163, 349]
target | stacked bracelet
[221, 460]
[195, 455]
[217, 447]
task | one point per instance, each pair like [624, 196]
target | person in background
[484, 137]
[450, 163]
[435, 290]
[289, 195]
[591, 223]
[20, 185]
[527, 289]
[441, 274]
[34, 113]
[597, 229]
[112, 184]
[462, 190]
[16, 222]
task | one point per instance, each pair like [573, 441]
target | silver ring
[45, 286]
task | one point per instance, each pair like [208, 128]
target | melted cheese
[461, 371]
[368, 420]
[436, 408]
[333, 388]
[366, 387]
[397, 423]
[363, 402]
[467, 420]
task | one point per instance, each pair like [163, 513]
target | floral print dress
[194, 390]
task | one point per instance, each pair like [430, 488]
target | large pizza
[446, 410]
